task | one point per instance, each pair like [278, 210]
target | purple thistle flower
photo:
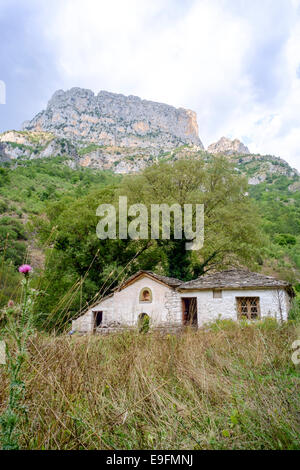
[25, 268]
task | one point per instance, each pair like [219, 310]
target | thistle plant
[19, 326]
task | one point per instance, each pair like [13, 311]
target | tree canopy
[79, 265]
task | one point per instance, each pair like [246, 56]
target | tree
[232, 234]
[79, 266]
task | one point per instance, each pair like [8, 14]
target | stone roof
[230, 279]
[170, 281]
[234, 278]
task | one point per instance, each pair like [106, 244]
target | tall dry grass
[229, 387]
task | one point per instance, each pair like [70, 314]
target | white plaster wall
[210, 309]
[85, 323]
[127, 306]
[165, 309]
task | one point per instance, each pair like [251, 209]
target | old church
[166, 302]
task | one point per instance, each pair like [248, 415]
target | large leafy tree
[232, 235]
[79, 265]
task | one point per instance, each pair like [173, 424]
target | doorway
[98, 316]
[189, 311]
[143, 323]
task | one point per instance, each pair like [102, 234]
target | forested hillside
[48, 217]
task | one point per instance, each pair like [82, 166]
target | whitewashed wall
[165, 309]
[127, 306]
[210, 309]
[85, 323]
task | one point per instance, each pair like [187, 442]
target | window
[248, 308]
[146, 295]
[218, 294]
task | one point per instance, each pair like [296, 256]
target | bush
[12, 236]
[223, 325]
[285, 239]
[3, 206]
[295, 310]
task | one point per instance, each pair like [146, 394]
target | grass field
[229, 387]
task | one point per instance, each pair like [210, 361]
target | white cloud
[233, 62]
[274, 128]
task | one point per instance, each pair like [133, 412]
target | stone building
[170, 303]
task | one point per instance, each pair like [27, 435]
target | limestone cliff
[30, 145]
[116, 120]
[228, 147]
[125, 135]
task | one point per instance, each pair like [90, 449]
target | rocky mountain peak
[114, 119]
[228, 147]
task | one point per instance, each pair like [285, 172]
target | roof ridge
[170, 281]
[237, 270]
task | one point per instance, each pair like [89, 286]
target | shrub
[3, 206]
[295, 310]
[285, 239]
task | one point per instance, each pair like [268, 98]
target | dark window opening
[98, 316]
[248, 308]
[189, 311]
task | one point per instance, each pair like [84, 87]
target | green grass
[223, 388]
[90, 148]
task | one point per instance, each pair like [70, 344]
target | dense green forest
[48, 217]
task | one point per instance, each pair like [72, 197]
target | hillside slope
[29, 145]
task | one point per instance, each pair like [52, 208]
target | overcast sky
[235, 62]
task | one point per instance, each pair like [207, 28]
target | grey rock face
[257, 180]
[114, 119]
[228, 147]
[31, 145]
[118, 159]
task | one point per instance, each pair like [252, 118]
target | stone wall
[173, 305]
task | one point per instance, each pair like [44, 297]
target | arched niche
[146, 295]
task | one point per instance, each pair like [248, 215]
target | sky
[235, 62]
